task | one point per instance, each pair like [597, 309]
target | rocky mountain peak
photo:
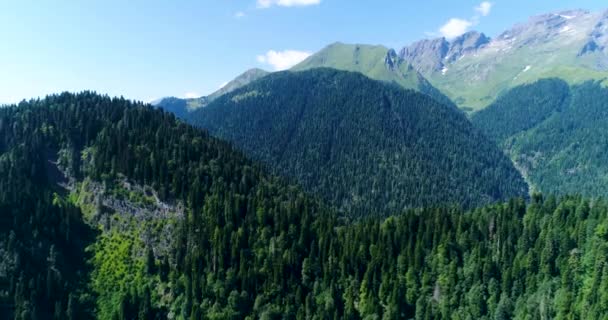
[432, 55]
[426, 55]
[466, 43]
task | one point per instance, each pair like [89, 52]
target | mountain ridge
[570, 45]
[374, 61]
[182, 107]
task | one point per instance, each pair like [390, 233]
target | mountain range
[474, 69]
[113, 209]
[509, 75]
[451, 179]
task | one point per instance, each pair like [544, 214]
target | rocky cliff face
[433, 55]
[426, 55]
[598, 39]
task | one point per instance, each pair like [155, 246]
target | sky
[146, 50]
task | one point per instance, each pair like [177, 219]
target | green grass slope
[376, 62]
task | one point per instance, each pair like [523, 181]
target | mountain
[242, 80]
[112, 209]
[473, 70]
[181, 107]
[555, 133]
[363, 145]
[100, 202]
[376, 62]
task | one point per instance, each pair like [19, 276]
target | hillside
[473, 70]
[182, 107]
[555, 134]
[97, 200]
[361, 144]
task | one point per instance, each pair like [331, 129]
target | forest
[111, 209]
[555, 133]
[364, 146]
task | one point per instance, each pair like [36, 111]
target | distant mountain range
[181, 107]
[473, 70]
[531, 89]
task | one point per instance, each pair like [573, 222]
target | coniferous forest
[556, 134]
[111, 209]
[362, 145]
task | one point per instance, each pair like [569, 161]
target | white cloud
[287, 3]
[191, 95]
[239, 14]
[223, 84]
[484, 8]
[455, 27]
[281, 60]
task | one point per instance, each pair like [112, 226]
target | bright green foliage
[116, 271]
[556, 135]
[361, 144]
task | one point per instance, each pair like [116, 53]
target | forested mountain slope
[556, 134]
[128, 183]
[114, 210]
[363, 145]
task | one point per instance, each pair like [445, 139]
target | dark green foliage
[499, 262]
[251, 246]
[99, 138]
[556, 135]
[42, 237]
[522, 108]
[361, 144]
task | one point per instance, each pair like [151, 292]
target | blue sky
[149, 49]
